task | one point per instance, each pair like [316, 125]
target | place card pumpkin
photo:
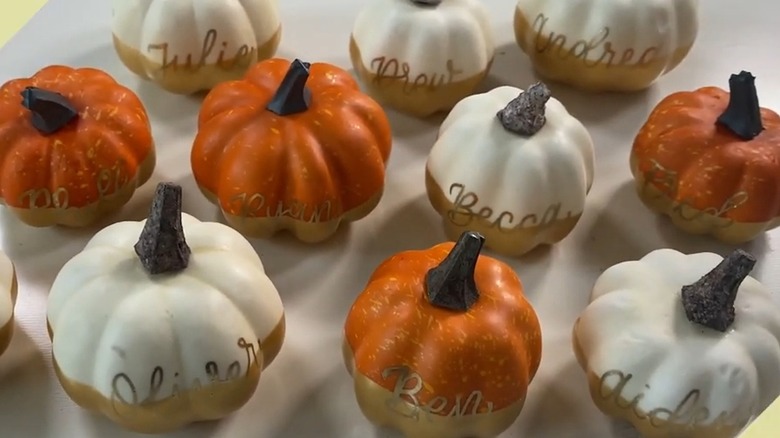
[681, 345]
[513, 165]
[422, 56]
[606, 45]
[164, 322]
[443, 343]
[76, 145]
[292, 146]
[710, 160]
[187, 46]
[8, 292]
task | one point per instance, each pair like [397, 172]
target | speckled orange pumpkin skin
[709, 164]
[108, 149]
[333, 154]
[494, 347]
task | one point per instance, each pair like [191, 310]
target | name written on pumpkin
[465, 211]
[690, 411]
[108, 182]
[242, 56]
[405, 399]
[391, 69]
[125, 391]
[594, 51]
[255, 205]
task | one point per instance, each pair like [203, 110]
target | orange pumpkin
[443, 343]
[710, 160]
[75, 146]
[292, 146]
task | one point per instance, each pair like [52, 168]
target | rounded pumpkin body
[306, 169]
[606, 45]
[436, 372]
[518, 191]
[76, 146]
[422, 57]
[701, 174]
[8, 293]
[187, 46]
[648, 364]
[154, 352]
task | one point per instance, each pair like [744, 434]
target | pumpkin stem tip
[292, 96]
[710, 300]
[50, 111]
[162, 248]
[525, 114]
[451, 284]
[743, 113]
[427, 2]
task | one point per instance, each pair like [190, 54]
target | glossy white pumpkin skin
[114, 326]
[191, 45]
[635, 326]
[606, 45]
[422, 59]
[519, 180]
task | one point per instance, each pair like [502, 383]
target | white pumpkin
[606, 45]
[154, 347]
[8, 292]
[422, 56]
[671, 375]
[188, 46]
[520, 185]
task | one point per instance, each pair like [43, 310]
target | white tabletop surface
[307, 392]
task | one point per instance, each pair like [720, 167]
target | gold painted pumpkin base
[305, 231]
[372, 400]
[422, 102]
[513, 242]
[7, 330]
[622, 409]
[597, 77]
[207, 403]
[184, 80]
[77, 217]
[697, 222]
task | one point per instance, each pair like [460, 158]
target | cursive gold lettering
[110, 181]
[193, 62]
[385, 69]
[594, 51]
[45, 198]
[405, 401]
[255, 206]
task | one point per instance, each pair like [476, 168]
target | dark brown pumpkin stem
[427, 2]
[292, 96]
[50, 111]
[710, 300]
[451, 284]
[525, 114]
[162, 247]
[743, 114]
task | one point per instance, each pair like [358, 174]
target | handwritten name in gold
[405, 399]
[465, 211]
[238, 58]
[255, 205]
[125, 391]
[690, 411]
[389, 69]
[594, 51]
[108, 181]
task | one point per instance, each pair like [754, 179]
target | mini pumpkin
[513, 165]
[710, 160]
[443, 52]
[76, 145]
[681, 345]
[292, 146]
[172, 327]
[8, 292]
[187, 46]
[606, 45]
[443, 343]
